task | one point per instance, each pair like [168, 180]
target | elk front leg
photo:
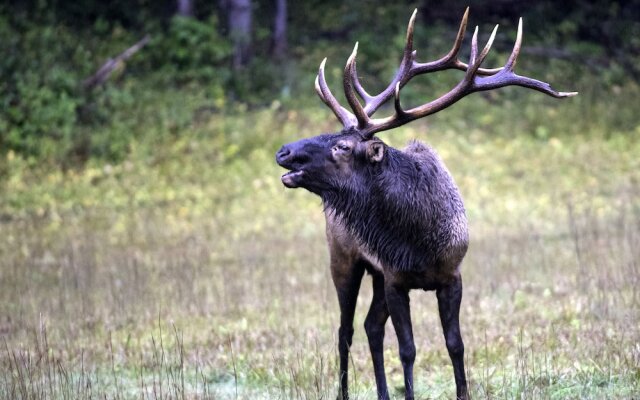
[374, 326]
[398, 304]
[347, 279]
[449, 298]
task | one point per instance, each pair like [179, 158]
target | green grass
[188, 271]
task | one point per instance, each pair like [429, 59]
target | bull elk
[396, 214]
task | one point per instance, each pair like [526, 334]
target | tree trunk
[239, 17]
[279, 48]
[185, 8]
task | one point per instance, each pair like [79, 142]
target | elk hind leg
[374, 326]
[449, 298]
[398, 304]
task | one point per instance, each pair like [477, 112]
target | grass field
[190, 272]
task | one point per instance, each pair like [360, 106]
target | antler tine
[407, 55]
[457, 64]
[408, 48]
[457, 44]
[454, 51]
[512, 79]
[511, 62]
[350, 76]
[319, 90]
[359, 89]
[475, 64]
[474, 47]
[451, 56]
[372, 103]
[396, 103]
[345, 117]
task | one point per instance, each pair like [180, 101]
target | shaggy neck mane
[400, 210]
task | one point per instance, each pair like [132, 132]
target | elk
[396, 214]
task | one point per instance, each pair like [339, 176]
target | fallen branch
[108, 67]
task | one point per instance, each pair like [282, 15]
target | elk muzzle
[287, 158]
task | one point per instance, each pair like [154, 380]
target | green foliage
[38, 89]
[258, 83]
[183, 76]
[192, 50]
[48, 115]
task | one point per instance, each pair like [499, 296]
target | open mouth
[291, 178]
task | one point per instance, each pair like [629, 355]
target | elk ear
[375, 151]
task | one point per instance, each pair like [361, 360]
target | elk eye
[343, 147]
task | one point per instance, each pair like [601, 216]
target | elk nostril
[283, 153]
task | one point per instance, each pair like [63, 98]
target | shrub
[191, 50]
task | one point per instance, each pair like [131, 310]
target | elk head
[328, 161]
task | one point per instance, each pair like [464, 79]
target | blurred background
[149, 250]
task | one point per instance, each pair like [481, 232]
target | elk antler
[476, 79]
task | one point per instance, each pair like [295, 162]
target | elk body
[396, 214]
